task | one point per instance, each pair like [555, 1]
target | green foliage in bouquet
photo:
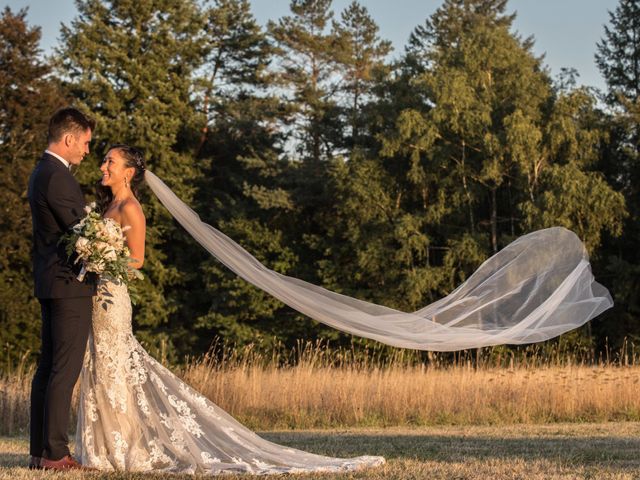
[100, 245]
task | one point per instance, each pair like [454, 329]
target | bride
[134, 414]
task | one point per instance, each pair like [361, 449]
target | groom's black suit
[57, 203]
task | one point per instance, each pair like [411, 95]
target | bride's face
[114, 169]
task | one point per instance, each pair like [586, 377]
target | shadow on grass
[619, 453]
[460, 448]
[12, 460]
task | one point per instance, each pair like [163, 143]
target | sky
[565, 31]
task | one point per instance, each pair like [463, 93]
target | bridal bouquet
[100, 245]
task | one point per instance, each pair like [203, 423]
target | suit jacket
[57, 204]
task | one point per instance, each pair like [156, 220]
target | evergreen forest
[385, 176]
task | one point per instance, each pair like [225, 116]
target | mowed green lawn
[555, 451]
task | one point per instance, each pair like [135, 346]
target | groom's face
[79, 147]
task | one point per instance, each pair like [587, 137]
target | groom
[57, 203]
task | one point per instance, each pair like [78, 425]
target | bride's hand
[134, 274]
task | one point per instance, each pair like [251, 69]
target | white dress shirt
[65, 163]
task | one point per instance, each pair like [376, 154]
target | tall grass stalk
[314, 386]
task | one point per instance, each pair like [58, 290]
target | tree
[618, 54]
[30, 94]
[450, 149]
[476, 149]
[237, 56]
[570, 191]
[307, 72]
[361, 53]
[243, 190]
[618, 58]
[134, 65]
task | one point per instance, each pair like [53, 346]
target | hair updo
[133, 158]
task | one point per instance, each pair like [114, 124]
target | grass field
[556, 451]
[524, 419]
[533, 418]
[313, 393]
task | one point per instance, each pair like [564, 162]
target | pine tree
[618, 58]
[237, 53]
[244, 191]
[30, 94]
[361, 55]
[483, 77]
[134, 65]
[618, 53]
[307, 72]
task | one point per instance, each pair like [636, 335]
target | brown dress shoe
[65, 463]
[34, 463]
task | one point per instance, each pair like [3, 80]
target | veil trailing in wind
[536, 288]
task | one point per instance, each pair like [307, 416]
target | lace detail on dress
[135, 415]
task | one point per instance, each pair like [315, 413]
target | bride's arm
[133, 216]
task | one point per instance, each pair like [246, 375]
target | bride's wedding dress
[135, 415]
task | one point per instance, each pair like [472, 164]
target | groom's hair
[68, 120]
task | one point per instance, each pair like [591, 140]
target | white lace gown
[135, 415]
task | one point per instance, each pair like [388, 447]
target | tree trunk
[466, 189]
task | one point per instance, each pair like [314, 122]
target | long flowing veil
[536, 288]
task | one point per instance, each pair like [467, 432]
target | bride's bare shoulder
[131, 211]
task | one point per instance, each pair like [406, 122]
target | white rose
[109, 231]
[101, 231]
[115, 232]
[106, 250]
[110, 255]
[101, 246]
[82, 246]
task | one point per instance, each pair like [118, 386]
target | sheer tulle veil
[535, 288]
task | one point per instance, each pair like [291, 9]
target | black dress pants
[65, 330]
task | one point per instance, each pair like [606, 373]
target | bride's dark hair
[133, 158]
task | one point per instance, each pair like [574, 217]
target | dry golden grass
[308, 397]
[15, 389]
[318, 389]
